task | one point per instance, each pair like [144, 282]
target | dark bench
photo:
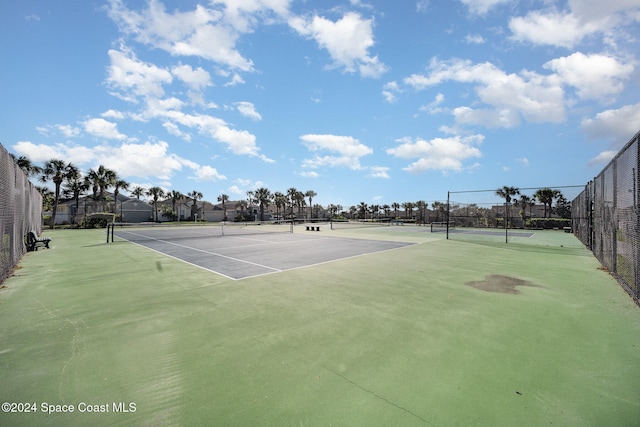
[33, 241]
[313, 228]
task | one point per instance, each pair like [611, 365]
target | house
[127, 209]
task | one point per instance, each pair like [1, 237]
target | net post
[448, 197]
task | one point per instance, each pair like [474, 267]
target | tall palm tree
[74, 188]
[263, 196]
[174, 196]
[300, 202]
[155, 193]
[292, 195]
[506, 193]
[311, 194]
[395, 206]
[57, 171]
[26, 165]
[280, 201]
[439, 208]
[100, 180]
[408, 209]
[362, 210]
[525, 202]
[195, 196]
[117, 185]
[47, 198]
[546, 196]
[138, 192]
[224, 198]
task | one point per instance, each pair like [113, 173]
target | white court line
[275, 270]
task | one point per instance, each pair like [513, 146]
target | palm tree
[195, 196]
[74, 188]
[439, 207]
[117, 185]
[223, 198]
[421, 205]
[506, 192]
[546, 196]
[300, 202]
[155, 193]
[525, 201]
[362, 210]
[311, 194]
[280, 201]
[263, 196]
[408, 209]
[26, 165]
[174, 196]
[395, 206]
[138, 192]
[100, 180]
[47, 198]
[291, 195]
[57, 171]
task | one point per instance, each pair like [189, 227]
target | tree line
[70, 183]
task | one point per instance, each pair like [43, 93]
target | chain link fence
[606, 218]
[20, 212]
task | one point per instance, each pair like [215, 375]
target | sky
[370, 101]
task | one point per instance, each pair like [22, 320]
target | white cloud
[617, 126]
[445, 154]
[529, 95]
[67, 131]
[481, 7]
[39, 153]
[603, 158]
[347, 40]
[584, 18]
[434, 106]
[595, 76]
[247, 109]
[132, 78]
[102, 128]
[390, 91]
[113, 114]
[207, 173]
[474, 39]
[348, 149]
[555, 29]
[142, 160]
[379, 172]
[234, 189]
[195, 79]
[240, 142]
[203, 32]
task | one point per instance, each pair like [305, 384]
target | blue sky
[359, 101]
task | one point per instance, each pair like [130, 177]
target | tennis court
[246, 251]
[433, 333]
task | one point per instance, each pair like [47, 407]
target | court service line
[182, 260]
[219, 255]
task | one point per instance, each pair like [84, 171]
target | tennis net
[441, 226]
[142, 232]
[336, 225]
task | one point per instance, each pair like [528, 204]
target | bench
[33, 241]
[567, 229]
[313, 228]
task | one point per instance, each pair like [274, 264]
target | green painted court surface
[438, 333]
